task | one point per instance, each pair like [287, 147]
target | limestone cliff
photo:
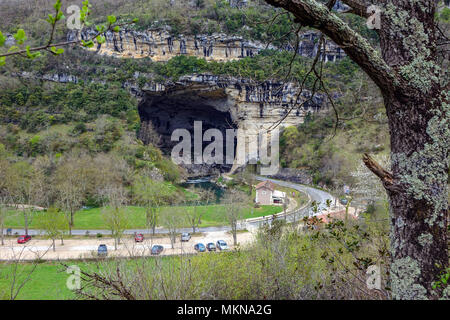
[221, 103]
[160, 45]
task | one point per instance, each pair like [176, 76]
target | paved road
[315, 195]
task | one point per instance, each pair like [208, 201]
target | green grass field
[93, 219]
[48, 280]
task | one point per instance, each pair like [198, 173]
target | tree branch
[313, 14]
[385, 176]
[357, 7]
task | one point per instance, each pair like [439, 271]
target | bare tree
[173, 218]
[235, 203]
[416, 98]
[70, 185]
[53, 224]
[152, 194]
[3, 215]
[195, 213]
[114, 214]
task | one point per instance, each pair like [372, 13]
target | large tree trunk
[418, 114]
[417, 105]
[418, 194]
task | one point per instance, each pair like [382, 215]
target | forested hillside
[84, 139]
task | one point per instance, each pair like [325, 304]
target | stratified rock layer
[222, 103]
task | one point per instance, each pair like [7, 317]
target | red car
[24, 239]
[139, 237]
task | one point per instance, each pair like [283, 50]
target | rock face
[221, 103]
[159, 45]
[293, 175]
[309, 45]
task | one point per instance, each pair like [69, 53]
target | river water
[206, 184]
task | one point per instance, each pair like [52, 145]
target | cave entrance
[178, 108]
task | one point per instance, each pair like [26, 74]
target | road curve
[317, 195]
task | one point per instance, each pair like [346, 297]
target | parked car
[185, 236]
[157, 249]
[138, 237]
[24, 239]
[211, 246]
[221, 245]
[200, 247]
[102, 250]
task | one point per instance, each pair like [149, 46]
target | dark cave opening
[178, 109]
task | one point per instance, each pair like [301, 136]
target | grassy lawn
[47, 282]
[93, 219]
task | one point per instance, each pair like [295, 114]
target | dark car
[200, 247]
[185, 236]
[221, 245]
[157, 249]
[102, 250]
[211, 246]
[23, 239]
[139, 237]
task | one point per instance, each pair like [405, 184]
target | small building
[267, 195]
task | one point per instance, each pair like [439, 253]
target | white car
[221, 245]
[185, 236]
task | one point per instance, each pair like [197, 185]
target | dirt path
[87, 248]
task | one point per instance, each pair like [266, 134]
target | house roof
[266, 184]
[279, 194]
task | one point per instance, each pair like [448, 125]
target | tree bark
[25, 216]
[417, 106]
[71, 222]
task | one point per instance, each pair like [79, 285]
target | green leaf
[112, 19]
[56, 51]
[57, 5]
[116, 29]
[20, 36]
[100, 28]
[135, 20]
[60, 16]
[12, 48]
[2, 39]
[101, 39]
[2, 61]
[31, 55]
[50, 19]
[88, 44]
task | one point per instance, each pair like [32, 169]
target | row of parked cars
[185, 237]
[220, 244]
[200, 247]
[102, 249]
